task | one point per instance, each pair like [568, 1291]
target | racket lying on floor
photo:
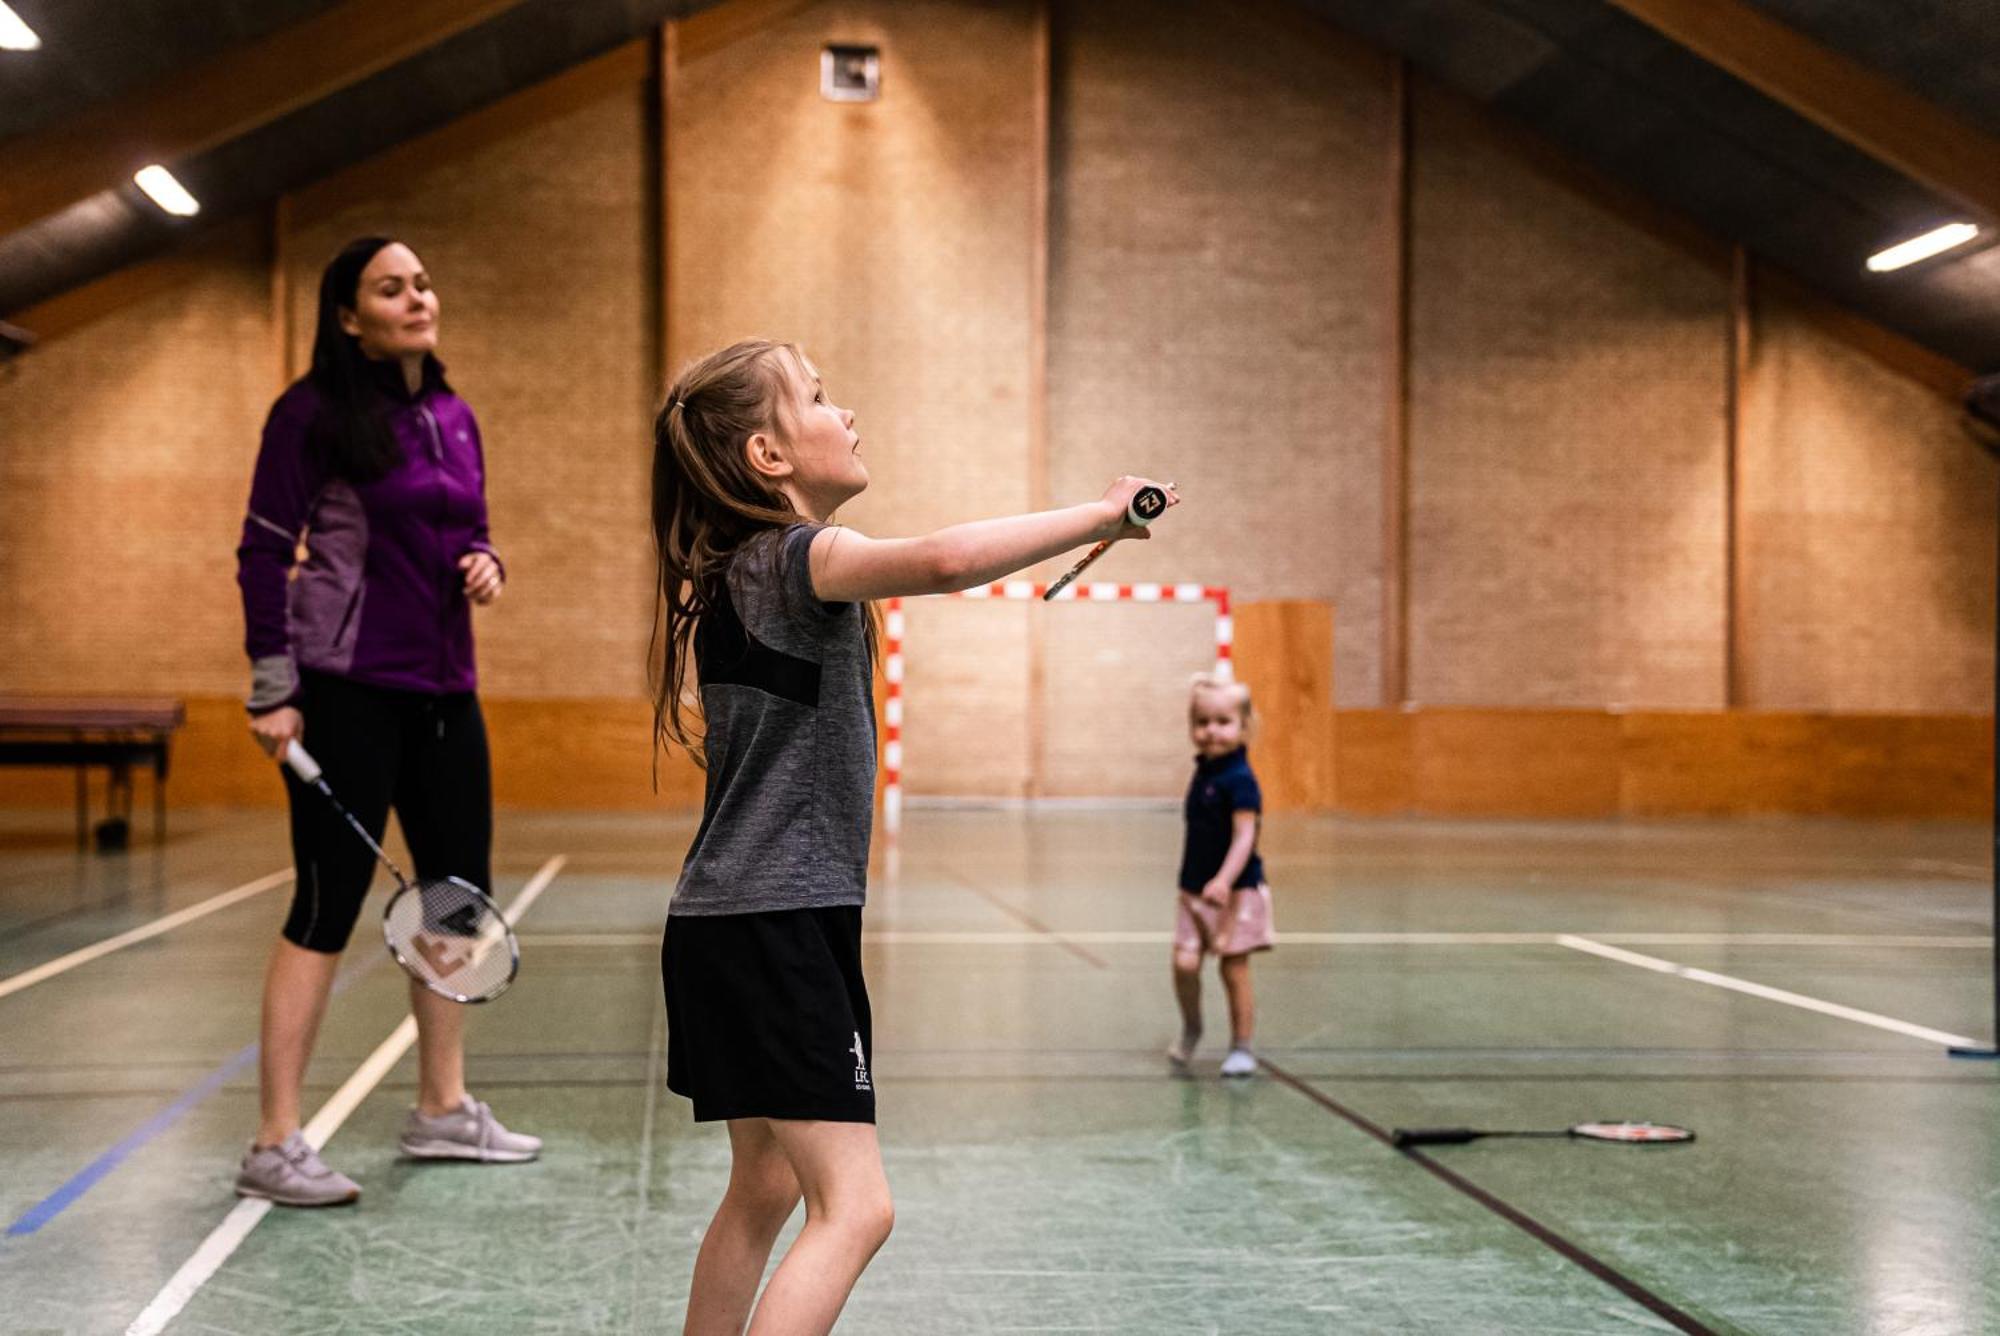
[447, 933]
[1628, 1134]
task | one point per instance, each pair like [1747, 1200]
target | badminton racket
[1147, 505]
[447, 933]
[1625, 1134]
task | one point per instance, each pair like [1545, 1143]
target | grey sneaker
[468, 1132]
[292, 1174]
[1240, 1062]
[1181, 1051]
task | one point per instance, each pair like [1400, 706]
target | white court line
[14, 983]
[904, 937]
[243, 1217]
[1790, 999]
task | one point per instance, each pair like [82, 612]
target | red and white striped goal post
[1095, 592]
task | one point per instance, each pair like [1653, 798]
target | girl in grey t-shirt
[768, 1026]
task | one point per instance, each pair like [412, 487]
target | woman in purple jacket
[363, 552]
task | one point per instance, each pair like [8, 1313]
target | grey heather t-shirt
[788, 698]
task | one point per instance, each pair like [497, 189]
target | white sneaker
[468, 1132]
[1240, 1062]
[292, 1174]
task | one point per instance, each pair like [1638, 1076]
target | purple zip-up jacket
[362, 580]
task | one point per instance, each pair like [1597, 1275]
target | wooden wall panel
[1221, 221]
[537, 241]
[125, 454]
[1868, 523]
[1566, 522]
[894, 240]
[1116, 699]
[1218, 313]
[1281, 655]
[964, 681]
[555, 754]
[1749, 762]
[1373, 762]
[591, 755]
[1515, 762]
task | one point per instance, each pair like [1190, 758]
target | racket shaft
[1077, 569]
[307, 769]
[355, 822]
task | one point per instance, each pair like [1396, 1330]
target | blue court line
[53, 1205]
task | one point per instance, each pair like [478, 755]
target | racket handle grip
[1147, 505]
[299, 761]
[1431, 1136]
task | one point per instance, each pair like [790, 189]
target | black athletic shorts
[767, 1015]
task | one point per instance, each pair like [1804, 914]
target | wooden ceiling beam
[718, 26]
[223, 98]
[1848, 101]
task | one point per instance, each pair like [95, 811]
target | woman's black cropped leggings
[421, 754]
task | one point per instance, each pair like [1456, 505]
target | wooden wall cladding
[594, 755]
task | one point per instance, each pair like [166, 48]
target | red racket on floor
[1625, 1134]
[447, 933]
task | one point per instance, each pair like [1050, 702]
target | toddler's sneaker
[468, 1132]
[1240, 1062]
[291, 1173]
[1181, 1051]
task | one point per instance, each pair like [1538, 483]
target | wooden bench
[115, 733]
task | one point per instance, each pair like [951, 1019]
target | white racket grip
[300, 761]
[1147, 505]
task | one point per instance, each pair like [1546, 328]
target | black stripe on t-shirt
[727, 655]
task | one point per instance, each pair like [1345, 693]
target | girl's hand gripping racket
[447, 933]
[1147, 505]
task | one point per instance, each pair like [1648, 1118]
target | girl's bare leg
[1242, 1001]
[762, 1192]
[848, 1218]
[1187, 989]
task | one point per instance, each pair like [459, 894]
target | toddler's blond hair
[1235, 692]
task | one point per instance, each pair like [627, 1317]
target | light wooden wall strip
[1738, 349]
[1396, 423]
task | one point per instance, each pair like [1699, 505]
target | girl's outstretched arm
[848, 567]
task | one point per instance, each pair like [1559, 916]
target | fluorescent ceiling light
[1934, 242]
[14, 34]
[169, 194]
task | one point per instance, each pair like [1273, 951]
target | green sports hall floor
[1050, 1175]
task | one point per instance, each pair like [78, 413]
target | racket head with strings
[448, 935]
[1633, 1134]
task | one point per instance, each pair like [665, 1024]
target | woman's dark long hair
[356, 442]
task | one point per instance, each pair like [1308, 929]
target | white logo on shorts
[860, 1064]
